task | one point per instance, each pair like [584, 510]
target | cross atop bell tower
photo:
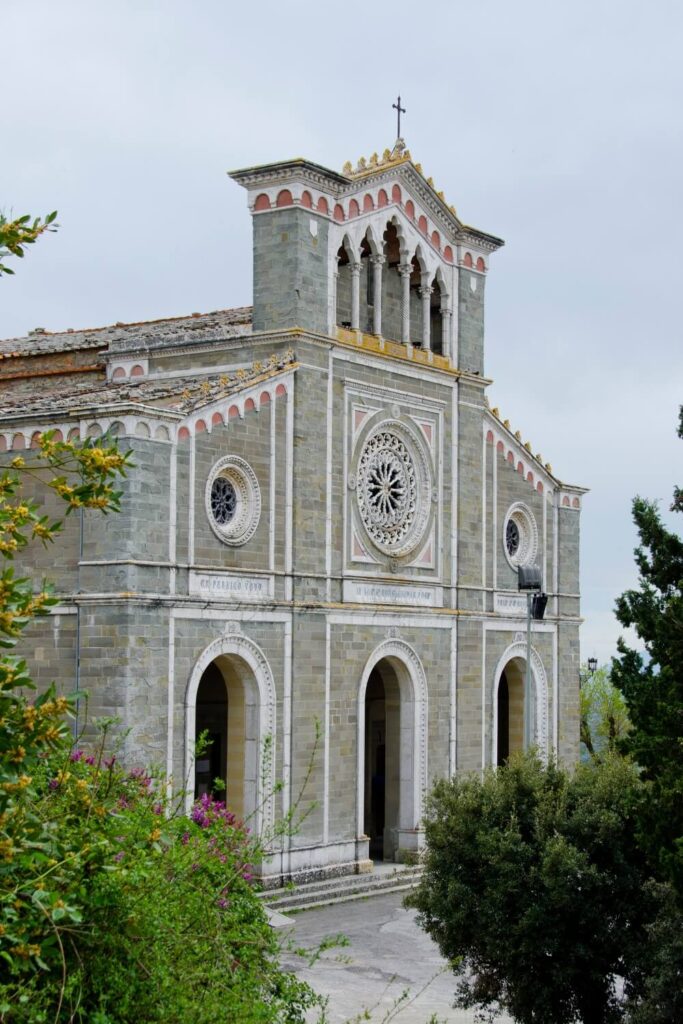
[399, 110]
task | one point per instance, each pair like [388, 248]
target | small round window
[223, 500]
[512, 538]
[520, 536]
[233, 500]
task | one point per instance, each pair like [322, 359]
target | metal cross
[399, 110]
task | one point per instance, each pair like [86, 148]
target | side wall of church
[470, 497]
[569, 647]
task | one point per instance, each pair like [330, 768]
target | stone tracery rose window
[520, 535]
[233, 500]
[392, 490]
[223, 500]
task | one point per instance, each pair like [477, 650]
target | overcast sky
[555, 125]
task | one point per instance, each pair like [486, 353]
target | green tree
[604, 720]
[652, 684]
[533, 889]
[18, 232]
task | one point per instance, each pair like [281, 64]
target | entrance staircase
[385, 879]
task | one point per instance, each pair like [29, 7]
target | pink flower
[76, 755]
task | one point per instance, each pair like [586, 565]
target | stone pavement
[387, 956]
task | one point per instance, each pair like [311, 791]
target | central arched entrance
[392, 755]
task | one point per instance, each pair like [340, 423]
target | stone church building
[323, 523]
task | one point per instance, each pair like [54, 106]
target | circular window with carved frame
[520, 535]
[233, 500]
[393, 487]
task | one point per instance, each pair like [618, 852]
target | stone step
[323, 900]
[340, 889]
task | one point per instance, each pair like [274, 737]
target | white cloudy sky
[556, 125]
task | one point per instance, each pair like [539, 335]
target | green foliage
[147, 916]
[114, 908]
[604, 717]
[653, 685]
[533, 889]
[17, 233]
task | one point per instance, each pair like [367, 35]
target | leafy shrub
[534, 889]
[142, 917]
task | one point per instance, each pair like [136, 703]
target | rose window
[391, 502]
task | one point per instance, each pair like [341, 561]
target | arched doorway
[382, 761]
[510, 699]
[231, 696]
[509, 684]
[221, 768]
[392, 754]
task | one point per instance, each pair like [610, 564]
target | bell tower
[375, 251]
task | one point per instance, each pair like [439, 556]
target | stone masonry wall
[290, 270]
[470, 321]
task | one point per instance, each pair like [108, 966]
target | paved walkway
[388, 955]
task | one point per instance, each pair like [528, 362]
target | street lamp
[592, 665]
[530, 581]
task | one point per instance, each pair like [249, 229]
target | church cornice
[397, 166]
[285, 171]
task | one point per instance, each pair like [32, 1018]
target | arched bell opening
[391, 283]
[510, 710]
[382, 761]
[367, 284]
[227, 714]
[435, 319]
[344, 288]
[416, 318]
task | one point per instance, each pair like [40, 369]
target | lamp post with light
[530, 581]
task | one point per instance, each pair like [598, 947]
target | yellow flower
[6, 849]
[18, 462]
[154, 835]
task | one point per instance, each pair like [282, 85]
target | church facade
[316, 558]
